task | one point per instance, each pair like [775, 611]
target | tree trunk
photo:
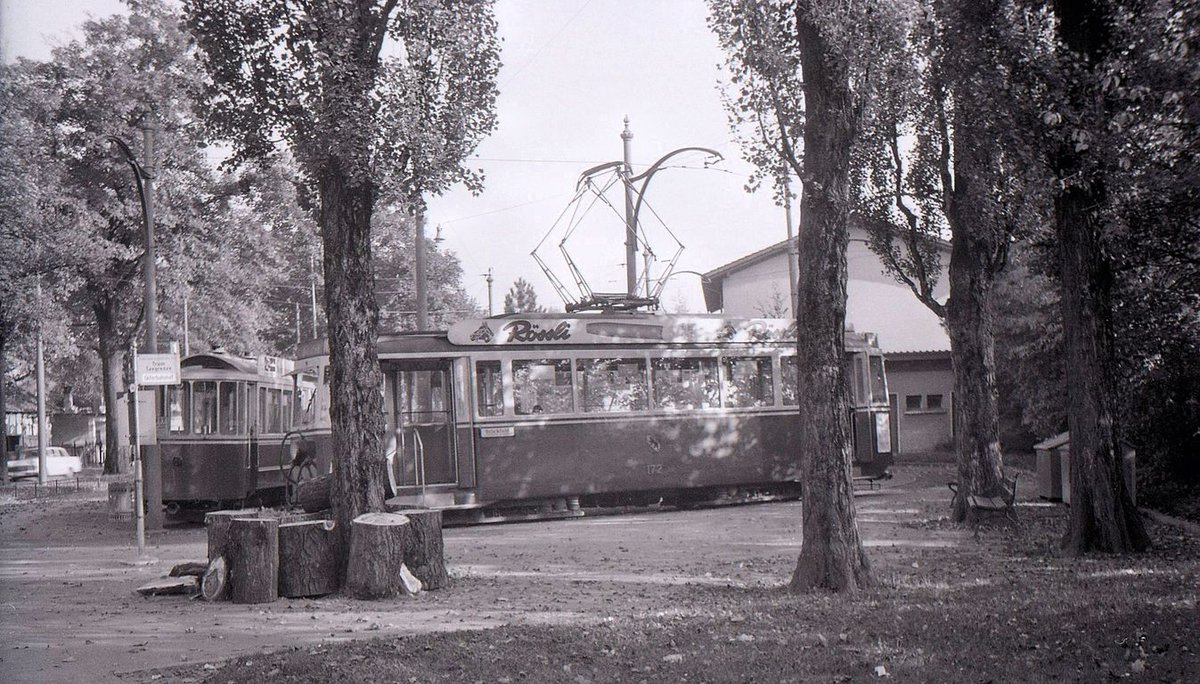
[425, 555]
[308, 560]
[1103, 516]
[112, 365]
[378, 542]
[359, 468]
[831, 554]
[3, 408]
[252, 553]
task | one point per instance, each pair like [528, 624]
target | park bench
[1003, 501]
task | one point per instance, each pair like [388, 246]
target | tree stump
[378, 542]
[308, 559]
[252, 551]
[425, 553]
[217, 523]
[313, 495]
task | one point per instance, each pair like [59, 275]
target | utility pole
[42, 432]
[152, 463]
[631, 239]
[488, 277]
[793, 246]
[419, 273]
[312, 282]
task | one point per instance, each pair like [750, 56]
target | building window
[924, 403]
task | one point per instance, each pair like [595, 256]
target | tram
[598, 409]
[224, 433]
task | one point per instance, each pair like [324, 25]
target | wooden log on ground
[218, 523]
[166, 586]
[214, 586]
[425, 555]
[189, 569]
[378, 542]
[308, 560]
[313, 495]
[253, 556]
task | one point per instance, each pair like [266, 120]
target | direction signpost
[150, 370]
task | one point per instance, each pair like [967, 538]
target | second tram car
[223, 433]
[557, 410]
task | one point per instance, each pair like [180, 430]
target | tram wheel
[299, 472]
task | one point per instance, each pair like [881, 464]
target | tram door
[422, 418]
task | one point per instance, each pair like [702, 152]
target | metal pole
[419, 273]
[149, 463]
[42, 436]
[297, 325]
[793, 247]
[187, 350]
[139, 513]
[312, 280]
[489, 284]
[630, 221]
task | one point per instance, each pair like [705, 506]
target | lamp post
[143, 174]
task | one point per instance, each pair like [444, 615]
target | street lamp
[144, 179]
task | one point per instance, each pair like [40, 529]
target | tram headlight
[883, 432]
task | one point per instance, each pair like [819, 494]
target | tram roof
[543, 330]
[250, 365]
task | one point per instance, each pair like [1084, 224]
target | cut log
[425, 553]
[378, 542]
[253, 556]
[313, 495]
[166, 586]
[215, 584]
[189, 569]
[217, 523]
[308, 559]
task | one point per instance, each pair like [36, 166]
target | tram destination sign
[157, 369]
[543, 330]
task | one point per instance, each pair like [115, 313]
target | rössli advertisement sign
[617, 330]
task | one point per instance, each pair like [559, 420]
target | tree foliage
[521, 298]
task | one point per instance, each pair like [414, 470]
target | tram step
[440, 500]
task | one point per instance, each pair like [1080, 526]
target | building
[920, 375]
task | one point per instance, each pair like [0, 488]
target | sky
[572, 71]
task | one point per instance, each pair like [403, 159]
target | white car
[58, 462]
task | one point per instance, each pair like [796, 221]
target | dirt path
[68, 611]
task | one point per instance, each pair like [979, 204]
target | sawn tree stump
[378, 542]
[425, 553]
[252, 552]
[217, 523]
[308, 559]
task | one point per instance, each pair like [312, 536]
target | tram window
[610, 385]
[858, 383]
[285, 410]
[790, 383]
[878, 383]
[177, 408]
[686, 383]
[273, 408]
[232, 411]
[489, 388]
[542, 386]
[747, 381]
[204, 407]
[306, 393]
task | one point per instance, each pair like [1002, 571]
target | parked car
[58, 462]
